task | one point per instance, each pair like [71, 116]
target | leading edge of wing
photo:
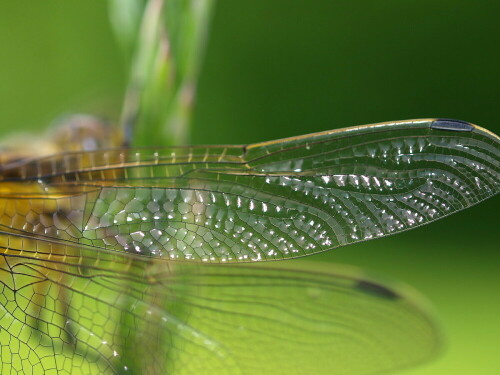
[205, 156]
[433, 123]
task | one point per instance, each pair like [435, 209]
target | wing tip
[461, 126]
[377, 289]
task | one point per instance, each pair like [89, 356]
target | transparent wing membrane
[78, 310]
[274, 200]
[278, 321]
[103, 254]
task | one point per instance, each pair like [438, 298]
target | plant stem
[164, 71]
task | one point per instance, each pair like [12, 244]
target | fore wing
[267, 201]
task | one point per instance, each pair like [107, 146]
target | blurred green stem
[163, 43]
[166, 55]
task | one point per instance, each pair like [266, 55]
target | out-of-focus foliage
[126, 16]
[164, 41]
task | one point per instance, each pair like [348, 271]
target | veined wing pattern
[101, 251]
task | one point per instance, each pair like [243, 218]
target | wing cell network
[72, 309]
[111, 261]
[268, 201]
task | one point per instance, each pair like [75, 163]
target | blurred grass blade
[164, 69]
[126, 16]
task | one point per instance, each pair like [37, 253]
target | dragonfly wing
[268, 201]
[75, 310]
[69, 309]
[291, 321]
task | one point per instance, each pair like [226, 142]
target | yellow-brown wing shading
[78, 310]
[268, 201]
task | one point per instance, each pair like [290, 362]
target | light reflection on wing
[100, 252]
[79, 310]
[274, 200]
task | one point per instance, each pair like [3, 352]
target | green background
[282, 68]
